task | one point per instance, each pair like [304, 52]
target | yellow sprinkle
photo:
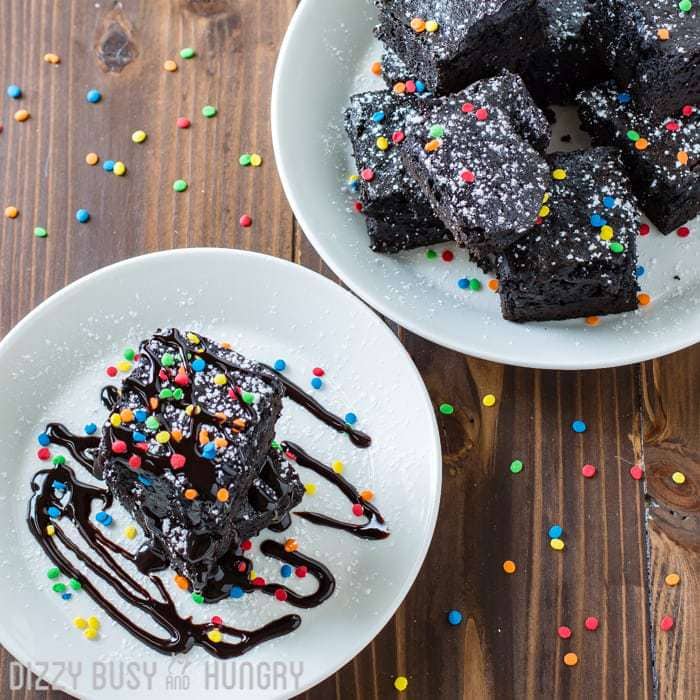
[170, 66]
[52, 58]
[90, 633]
[11, 212]
[50, 530]
[162, 437]
[489, 400]
[310, 489]
[382, 143]
[193, 338]
[559, 174]
[92, 159]
[119, 168]
[80, 623]
[509, 566]
[678, 477]
[253, 574]
[93, 623]
[544, 212]
[220, 379]
[672, 580]
[139, 136]
[401, 683]
[115, 420]
[606, 233]
[21, 115]
[215, 636]
[557, 544]
[337, 467]
[130, 532]
[546, 198]
[256, 160]
[431, 26]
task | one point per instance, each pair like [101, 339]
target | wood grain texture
[507, 645]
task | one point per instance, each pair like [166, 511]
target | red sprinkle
[467, 176]
[636, 472]
[589, 471]
[111, 371]
[301, 571]
[644, 230]
[410, 86]
[241, 567]
[448, 255]
[482, 114]
[367, 174]
[43, 453]
[163, 375]
[290, 456]
[182, 379]
[667, 623]
[281, 594]
[357, 509]
[134, 461]
[467, 107]
[245, 221]
[673, 126]
[119, 447]
[539, 220]
[318, 372]
[258, 581]
[564, 632]
[398, 136]
[591, 624]
[183, 123]
[246, 545]
[688, 111]
[216, 620]
[683, 232]
[358, 206]
[177, 461]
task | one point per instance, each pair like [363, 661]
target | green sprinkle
[180, 185]
[247, 397]
[437, 131]
[430, 254]
[75, 584]
[178, 394]
[168, 359]
[58, 459]
[165, 394]
[516, 466]
[633, 135]
[685, 5]
[129, 354]
[152, 423]
[198, 598]
[187, 53]
[617, 247]
[53, 572]
[59, 587]
[447, 409]
[208, 111]
[275, 445]
[244, 159]
[474, 285]
[40, 232]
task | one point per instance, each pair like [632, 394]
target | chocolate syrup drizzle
[75, 504]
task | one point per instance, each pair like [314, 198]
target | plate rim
[394, 311]
[14, 647]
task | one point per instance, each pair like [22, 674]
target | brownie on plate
[662, 155]
[452, 43]
[187, 450]
[476, 156]
[566, 63]
[398, 214]
[580, 258]
[652, 48]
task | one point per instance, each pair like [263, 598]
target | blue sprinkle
[597, 220]
[236, 592]
[90, 429]
[463, 283]
[108, 165]
[578, 426]
[198, 365]
[209, 451]
[420, 86]
[286, 571]
[354, 186]
[44, 440]
[454, 617]
[639, 272]
[350, 418]
[609, 201]
[140, 414]
[66, 596]
[378, 117]
[82, 215]
[93, 96]
[624, 98]
[136, 436]
[280, 365]
[53, 512]
[101, 516]
[555, 532]
[58, 485]
[14, 91]
[144, 480]
[316, 383]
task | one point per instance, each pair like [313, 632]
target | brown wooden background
[622, 536]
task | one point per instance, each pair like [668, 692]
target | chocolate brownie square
[652, 48]
[475, 156]
[185, 446]
[452, 43]
[566, 63]
[580, 258]
[398, 214]
[662, 155]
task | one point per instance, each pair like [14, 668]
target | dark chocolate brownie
[475, 156]
[187, 448]
[580, 259]
[398, 215]
[662, 155]
[566, 63]
[652, 48]
[452, 43]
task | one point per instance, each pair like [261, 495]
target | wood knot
[679, 494]
[114, 46]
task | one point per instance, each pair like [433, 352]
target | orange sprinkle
[493, 285]
[221, 442]
[418, 25]
[570, 659]
[11, 212]
[153, 402]
[226, 346]
[509, 566]
[291, 545]
[191, 494]
[170, 66]
[682, 157]
[126, 415]
[366, 495]
[377, 68]
[176, 435]
[400, 88]
[21, 115]
[181, 582]
[641, 144]
[222, 495]
[432, 146]
[663, 34]
[203, 437]
[643, 299]
[52, 58]
[592, 321]
[92, 158]
[239, 423]
[220, 416]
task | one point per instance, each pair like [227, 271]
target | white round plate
[53, 368]
[326, 57]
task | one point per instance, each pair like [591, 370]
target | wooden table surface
[622, 536]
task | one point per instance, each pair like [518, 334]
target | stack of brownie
[456, 147]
